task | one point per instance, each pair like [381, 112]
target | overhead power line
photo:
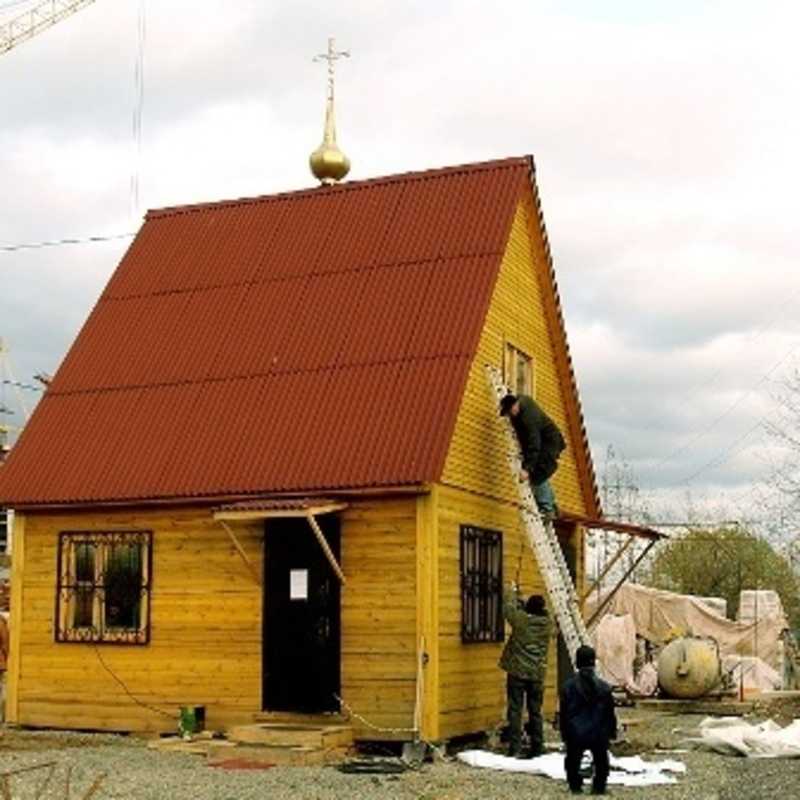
[721, 457]
[744, 395]
[12, 248]
[773, 317]
[19, 385]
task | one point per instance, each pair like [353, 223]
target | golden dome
[328, 163]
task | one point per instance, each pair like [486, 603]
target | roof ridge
[382, 180]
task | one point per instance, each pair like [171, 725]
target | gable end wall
[476, 486]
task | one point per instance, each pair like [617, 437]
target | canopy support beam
[323, 543]
[602, 607]
[608, 567]
[238, 545]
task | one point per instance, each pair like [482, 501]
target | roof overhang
[274, 508]
[271, 508]
[217, 502]
[629, 528]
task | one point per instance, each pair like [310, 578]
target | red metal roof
[305, 341]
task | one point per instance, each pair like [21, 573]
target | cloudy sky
[666, 138]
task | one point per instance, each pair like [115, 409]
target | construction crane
[37, 19]
[17, 30]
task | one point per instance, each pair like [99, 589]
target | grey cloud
[665, 148]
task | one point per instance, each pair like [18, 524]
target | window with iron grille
[481, 585]
[4, 525]
[103, 592]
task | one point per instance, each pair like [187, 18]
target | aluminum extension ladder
[542, 539]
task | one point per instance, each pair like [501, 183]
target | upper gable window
[519, 371]
[103, 591]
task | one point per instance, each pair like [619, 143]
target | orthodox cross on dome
[332, 56]
[328, 163]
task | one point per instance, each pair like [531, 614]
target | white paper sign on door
[298, 584]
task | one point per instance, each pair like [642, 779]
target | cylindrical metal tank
[689, 667]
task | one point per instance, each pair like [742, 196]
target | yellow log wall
[379, 619]
[206, 634]
[476, 486]
[517, 315]
[472, 685]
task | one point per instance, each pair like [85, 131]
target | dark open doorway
[302, 617]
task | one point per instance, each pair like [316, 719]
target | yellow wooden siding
[205, 646]
[428, 612]
[472, 694]
[15, 626]
[206, 624]
[379, 616]
[477, 488]
[475, 460]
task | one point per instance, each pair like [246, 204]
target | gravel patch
[134, 772]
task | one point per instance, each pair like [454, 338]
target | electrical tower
[42, 16]
[8, 385]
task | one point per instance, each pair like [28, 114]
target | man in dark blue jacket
[588, 722]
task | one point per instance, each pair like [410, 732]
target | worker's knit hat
[506, 403]
[584, 656]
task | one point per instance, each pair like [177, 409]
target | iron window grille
[481, 585]
[103, 592]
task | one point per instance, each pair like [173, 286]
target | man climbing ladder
[540, 443]
[542, 538]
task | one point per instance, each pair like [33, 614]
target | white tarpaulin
[614, 641]
[751, 673]
[733, 736]
[628, 771]
[660, 616]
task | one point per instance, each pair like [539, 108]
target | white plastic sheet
[733, 736]
[628, 771]
[751, 673]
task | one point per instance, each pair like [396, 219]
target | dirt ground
[127, 769]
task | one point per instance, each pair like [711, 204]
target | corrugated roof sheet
[306, 341]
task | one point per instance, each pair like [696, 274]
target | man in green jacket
[540, 443]
[525, 660]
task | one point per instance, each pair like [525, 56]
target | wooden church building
[269, 476]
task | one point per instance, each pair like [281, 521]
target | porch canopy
[275, 508]
[633, 532]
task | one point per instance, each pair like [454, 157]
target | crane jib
[37, 19]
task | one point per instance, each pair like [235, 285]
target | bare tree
[784, 428]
